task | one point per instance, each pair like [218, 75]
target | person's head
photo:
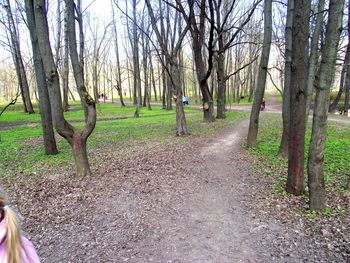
[11, 226]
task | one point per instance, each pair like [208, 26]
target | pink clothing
[28, 252]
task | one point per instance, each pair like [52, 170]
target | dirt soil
[198, 201]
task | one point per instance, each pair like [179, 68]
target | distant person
[262, 105]
[14, 248]
[185, 100]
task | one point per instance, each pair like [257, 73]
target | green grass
[22, 148]
[337, 157]
[104, 110]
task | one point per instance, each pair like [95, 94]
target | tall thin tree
[298, 82]
[319, 125]
[261, 82]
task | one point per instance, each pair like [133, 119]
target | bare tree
[136, 63]
[319, 125]
[284, 145]
[17, 58]
[196, 20]
[343, 75]
[44, 100]
[65, 75]
[260, 89]
[173, 70]
[76, 137]
[119, 82]
[314, 56]
[298, 82]
[226, 41]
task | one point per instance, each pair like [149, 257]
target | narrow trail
[212, 225]
[208, 222]
[194, 202]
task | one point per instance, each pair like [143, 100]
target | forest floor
[199, 200]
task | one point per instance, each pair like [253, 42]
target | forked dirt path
[194, 202]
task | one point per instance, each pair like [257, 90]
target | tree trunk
[181, 126]
[221, 99]
[62, 126]
[334, 104]
[164, 82]
[65, 77]
[44, 101]
[152, 77]
[300, 34]
[319, 126]
[260, 89]
[22, 76]
[283, 150]
[78, 145]
[119, 85]
[207, 100]
[137, 76]
[16, 53]
[347, 95]
[314, 56]
[145, 69]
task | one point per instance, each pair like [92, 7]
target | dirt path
[200, 217]
[198, 202]
[211, 225]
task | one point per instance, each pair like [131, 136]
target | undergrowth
[336, 160]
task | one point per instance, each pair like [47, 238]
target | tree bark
[283, 150]
[319, 126]
[260, 89]
[173, 70]
[300, 34]
[334, 104]
[314, 56]
[16, 49]
[137, 76]
[65, 77]
[221, 97]
[152, 77]
[44, 100]
[76, 137]
[119, 85]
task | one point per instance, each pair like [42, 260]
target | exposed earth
[198, 200]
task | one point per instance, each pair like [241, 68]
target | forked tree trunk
[260, 89]
[76, 137]
[283, 150]
[300, 34]
[319, 126]
[173, 70]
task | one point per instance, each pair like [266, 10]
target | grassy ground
[104, 110]
[22, 150]
[337, 158]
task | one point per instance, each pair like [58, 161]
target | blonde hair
[13, 233]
